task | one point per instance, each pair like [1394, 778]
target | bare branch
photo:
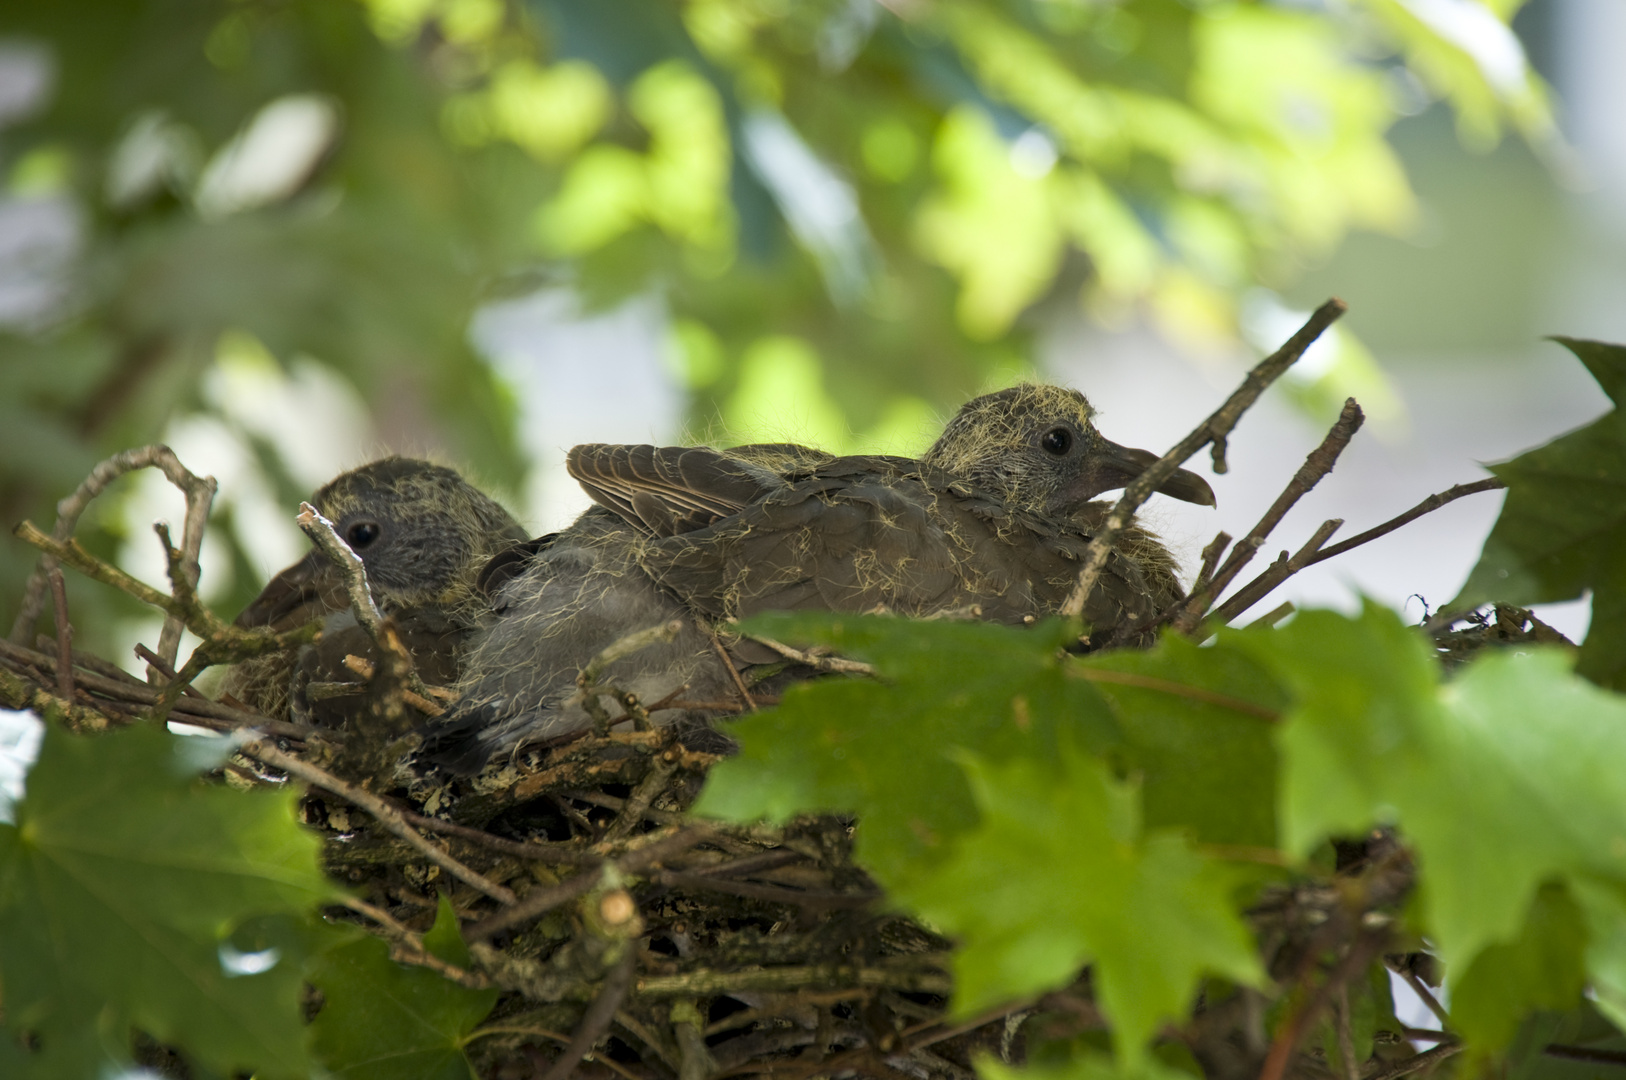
[69, 552]
[1261, 586]
[1427, 506]
[1214, 430]
[354, 571]
[596, 1021]
[1294, 1027]
[540, 901]
[1211, 557]
[64, 634]
[1317, 464]
[199, 492]
[1427, 1059]
[387, 815]
[817, 661]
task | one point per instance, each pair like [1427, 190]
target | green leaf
[1605, 908]
[386, 1021]
[887, 750]
[1085, 1066]
[1059, 875]
[1502, 782]
[120, 887]
[1362, 688]
[1562, 529]
[1541, 969]
[1197, 731]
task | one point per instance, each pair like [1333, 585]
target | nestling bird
[424, 533]
[995, 515]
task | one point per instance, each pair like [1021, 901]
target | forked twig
[588, 689]
[540, 901]
[1427, 506]
[1214, 430]
[387, 815]
[199, 492]
[1317, 464]
[596, 1020]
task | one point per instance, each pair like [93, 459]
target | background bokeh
[287, 236]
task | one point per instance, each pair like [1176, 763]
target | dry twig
[1317, 465]
[1214, 430]
[387, 815]
[64, 634]
[541, 901]
[199, 492]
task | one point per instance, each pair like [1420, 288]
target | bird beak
[304, 591]
[1119, 465]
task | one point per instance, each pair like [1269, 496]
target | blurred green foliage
[856, 205]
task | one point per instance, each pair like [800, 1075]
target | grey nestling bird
[424, 533]
[995, 515]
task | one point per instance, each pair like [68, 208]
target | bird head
[1037, 446]
[422, 531]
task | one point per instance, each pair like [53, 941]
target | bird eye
[361, 534]
[1056, 441]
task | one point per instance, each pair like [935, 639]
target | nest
[629, 940]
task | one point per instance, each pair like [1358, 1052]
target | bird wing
[906, 541]
[667, 490]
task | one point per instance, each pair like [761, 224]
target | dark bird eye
[1057, 441]
[361, 534]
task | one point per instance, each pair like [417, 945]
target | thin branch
[776, 894]
[64, 634]
[1261, 586]
[199, 492]
[1427, 1059]
[326, 537]
[626, 646]
[18, 692]
[587, 680]
[537, 852]
[1346, 1041]
[1585, 1053]
[163, 668]
[1293, 1028]
[661, 768]
[1275, 614]
[541, 901]
[734, 672]
[1214, 430]
[409, 946]
[69, 552]
[387, 815]
[360, 666]
[1317, 464]
[596, 1021]
[1168, 686]
[817, 661]
[1211, 557]
[922, 973]
[1427, 506]
[1424, 994]
[198, 711]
